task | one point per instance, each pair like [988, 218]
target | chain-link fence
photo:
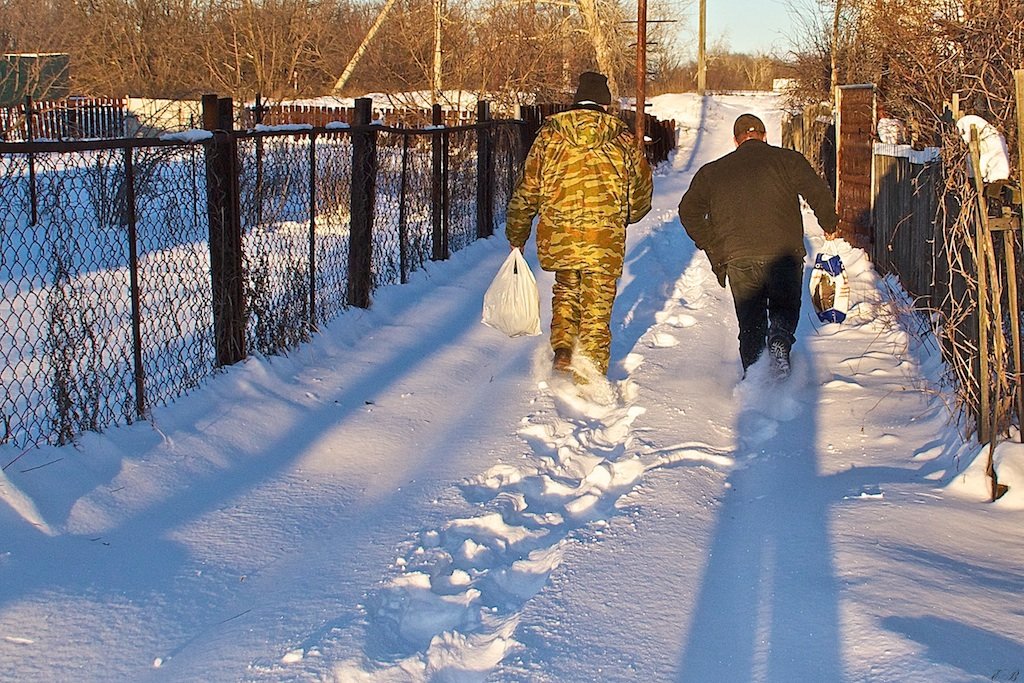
[116, 254]
[105, 281]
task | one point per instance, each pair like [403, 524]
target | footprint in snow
[678, 320]
[662, 340]
[457, 590]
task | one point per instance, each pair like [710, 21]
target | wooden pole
[641, 70]
[702, 58]
[438, 11]
[834, 57]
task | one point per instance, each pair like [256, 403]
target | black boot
[778, 350]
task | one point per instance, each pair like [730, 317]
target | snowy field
[413, 497]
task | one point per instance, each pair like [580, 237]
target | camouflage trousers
[581, 310]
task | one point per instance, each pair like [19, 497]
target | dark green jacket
[587, 180]
[747, 204]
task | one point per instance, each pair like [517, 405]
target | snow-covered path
[413, 497]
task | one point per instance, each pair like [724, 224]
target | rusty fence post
[484, 171]
[364, 180]
[226, 273]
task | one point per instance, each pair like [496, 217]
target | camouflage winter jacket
[588, 180]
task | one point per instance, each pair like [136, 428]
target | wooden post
[364, 180]
[484, 172]
[226, 272]
[641, 71]
[702, 39]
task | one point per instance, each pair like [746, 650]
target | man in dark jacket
[743, 210]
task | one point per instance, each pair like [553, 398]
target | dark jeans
[766, 294]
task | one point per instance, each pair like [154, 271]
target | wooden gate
[855, 117]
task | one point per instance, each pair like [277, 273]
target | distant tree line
[726, 71]
[286, 49]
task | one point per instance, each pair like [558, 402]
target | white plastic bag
[512, 303]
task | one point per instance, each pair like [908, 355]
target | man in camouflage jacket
[587, 180]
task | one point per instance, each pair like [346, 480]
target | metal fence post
[312, 232]
[133, 282]
[484, 172]
[403, 217]
[364, 180]
[29, 134]
[226, 273]
[438, 189]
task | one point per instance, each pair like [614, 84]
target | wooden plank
[1018, 79]
[980, 239]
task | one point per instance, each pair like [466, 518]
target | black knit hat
[747, 123]
[593, 87]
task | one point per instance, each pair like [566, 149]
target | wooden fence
[72, 118]
[905, 194]
[320, 115]
[661, 133]
[812, 133]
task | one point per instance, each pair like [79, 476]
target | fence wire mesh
[275, 187]
[462, 184]
[74, 258]
[507, 156]
[333, 218]
[106, 265]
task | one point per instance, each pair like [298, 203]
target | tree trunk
[599, 38]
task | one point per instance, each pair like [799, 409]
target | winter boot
[563, 358]
[779, 353]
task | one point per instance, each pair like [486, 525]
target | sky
[413, 496]
[747, 26]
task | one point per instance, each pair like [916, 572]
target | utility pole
[834, 58]
[438, 12]
[641, 70]
[702, 58]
